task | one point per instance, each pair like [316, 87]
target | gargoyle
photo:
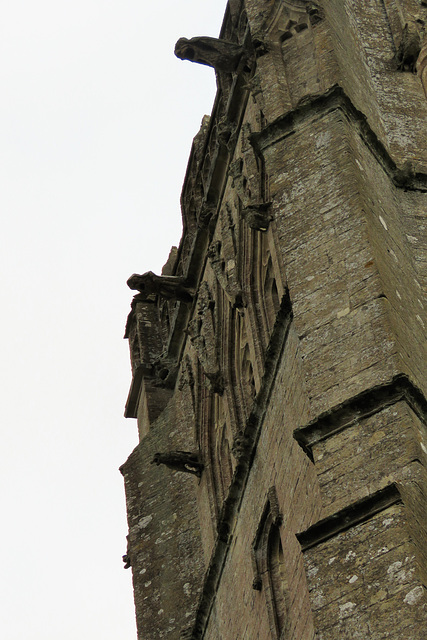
[185, 461]
[219, 54]
[409, 47]
[167, 287]
[257, 216]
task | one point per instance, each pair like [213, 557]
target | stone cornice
[317, 106]
[359, 407]
[350, 516]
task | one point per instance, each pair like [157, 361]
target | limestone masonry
[279, 490]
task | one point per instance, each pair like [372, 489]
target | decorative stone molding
[349, 517]
[258, 216]
[202, 335]
[359, 407]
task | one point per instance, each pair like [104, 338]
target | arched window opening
[216, 451]
[248, 380]
[276, 577]
[298, 52]
[271, 296]
[224, 460]
[207, 442]
[269, 568]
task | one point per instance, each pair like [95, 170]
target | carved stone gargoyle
[212, 52]
[409, 47]
[257, 216]
[185, 461]
[167, 287]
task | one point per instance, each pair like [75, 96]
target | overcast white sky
[96, 122]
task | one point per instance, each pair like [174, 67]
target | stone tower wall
[279, 362]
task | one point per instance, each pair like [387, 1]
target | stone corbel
[257, 216]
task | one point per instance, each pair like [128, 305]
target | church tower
[279, 490]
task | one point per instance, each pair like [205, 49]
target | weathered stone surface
[284, 346]
[363, 582]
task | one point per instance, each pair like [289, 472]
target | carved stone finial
[167, 287]
[241, 445]
[184, 461]
[212, 52]
[225, 274]
[409, 47]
